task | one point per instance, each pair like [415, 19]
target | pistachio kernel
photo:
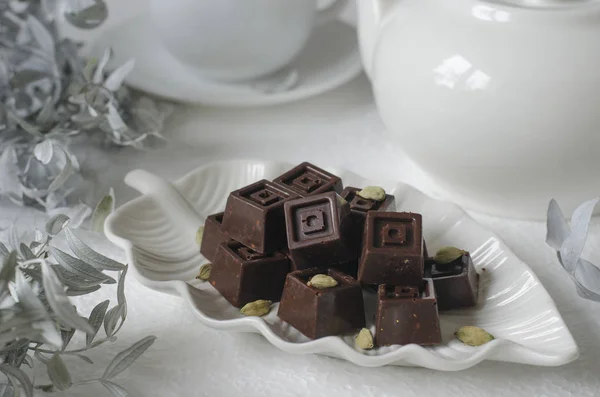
[448, 255]
[322, 281]
[257, 308]
[204, 273]
[364, 339]
[372, 193]
[473, 336]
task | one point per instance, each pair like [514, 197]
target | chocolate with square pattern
[307, 179]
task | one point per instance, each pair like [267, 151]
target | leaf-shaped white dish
[157, 232]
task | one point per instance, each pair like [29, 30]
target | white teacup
[237, 40]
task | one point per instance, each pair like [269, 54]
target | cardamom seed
[372, 193]
[448, 255]
[199, 235]
[473, 336]
[364, 339]
[204, 273]
[341, 201]
[322, 281]
[257, 308]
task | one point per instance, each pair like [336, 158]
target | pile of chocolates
[315, 247]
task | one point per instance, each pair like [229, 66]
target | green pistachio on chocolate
[257, 308]
[322, 281]
[372, 193]
[473, 336]
[448, 255]
[364, 339]
[199, 235]
[204, 273]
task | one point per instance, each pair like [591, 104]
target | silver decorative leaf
[64, 174]
[26, 252]
[86, 14]
[111, 318]
[98, 77]
[3, 250]
[116, 390]
[88, 255]
[117, 77]
[79, 268]
[59, 302]
[77, 213]
[95, 320]
[84, 358]
[121, 294]
[20, 376]
[557, 228]
[78, 291]
[44, 151]
[125, 358]
[6, 390]
[74, 282]
[67, 335]
[56, 224]
[104, 208]
[58, 373]
[7, 273]
[572, 247]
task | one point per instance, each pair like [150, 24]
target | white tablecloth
[339, 128]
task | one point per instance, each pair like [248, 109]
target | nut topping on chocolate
[257, 308]
[204, 274]
[364, 339]
[372, 193]
[322, 281]
[473, 336]
[448, 255]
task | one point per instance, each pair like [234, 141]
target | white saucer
[330, 59]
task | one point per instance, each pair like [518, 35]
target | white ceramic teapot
[499, 101]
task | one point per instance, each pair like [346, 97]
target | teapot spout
[372, 15]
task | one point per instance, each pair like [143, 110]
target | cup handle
[331, 12]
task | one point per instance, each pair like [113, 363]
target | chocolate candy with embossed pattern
[254, 216]
[307, 179]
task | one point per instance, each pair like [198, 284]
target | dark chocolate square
[254, 216]
[242, 275]
[407, 314]
[314, 231]
[358, 212]
[456, 284]
[322, 312]
[212, 236]
[307, 179]
[392, 251]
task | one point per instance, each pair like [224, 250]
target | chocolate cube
[314, 231]
[322, 312]
[213, 236]
[456, 283]
[350, 267]
[392, 249]
[242, 275]
[407, 315]
[307, 179]
[254, 216]
[358, 212]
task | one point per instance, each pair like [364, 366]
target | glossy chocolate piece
[350, 267]
[213, 236]
[307, 179]
[456, 284]
[242, 275]
[392, 249]
[358, 212]
[407, 315]
[314, 231]
[322, 312]
[254, 216]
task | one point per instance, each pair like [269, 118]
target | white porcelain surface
[329, 59]
[154, 230]
[237, 40]
[497, 100]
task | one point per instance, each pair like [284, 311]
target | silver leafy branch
[569, 242]
[51, 98]
[38, 319]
